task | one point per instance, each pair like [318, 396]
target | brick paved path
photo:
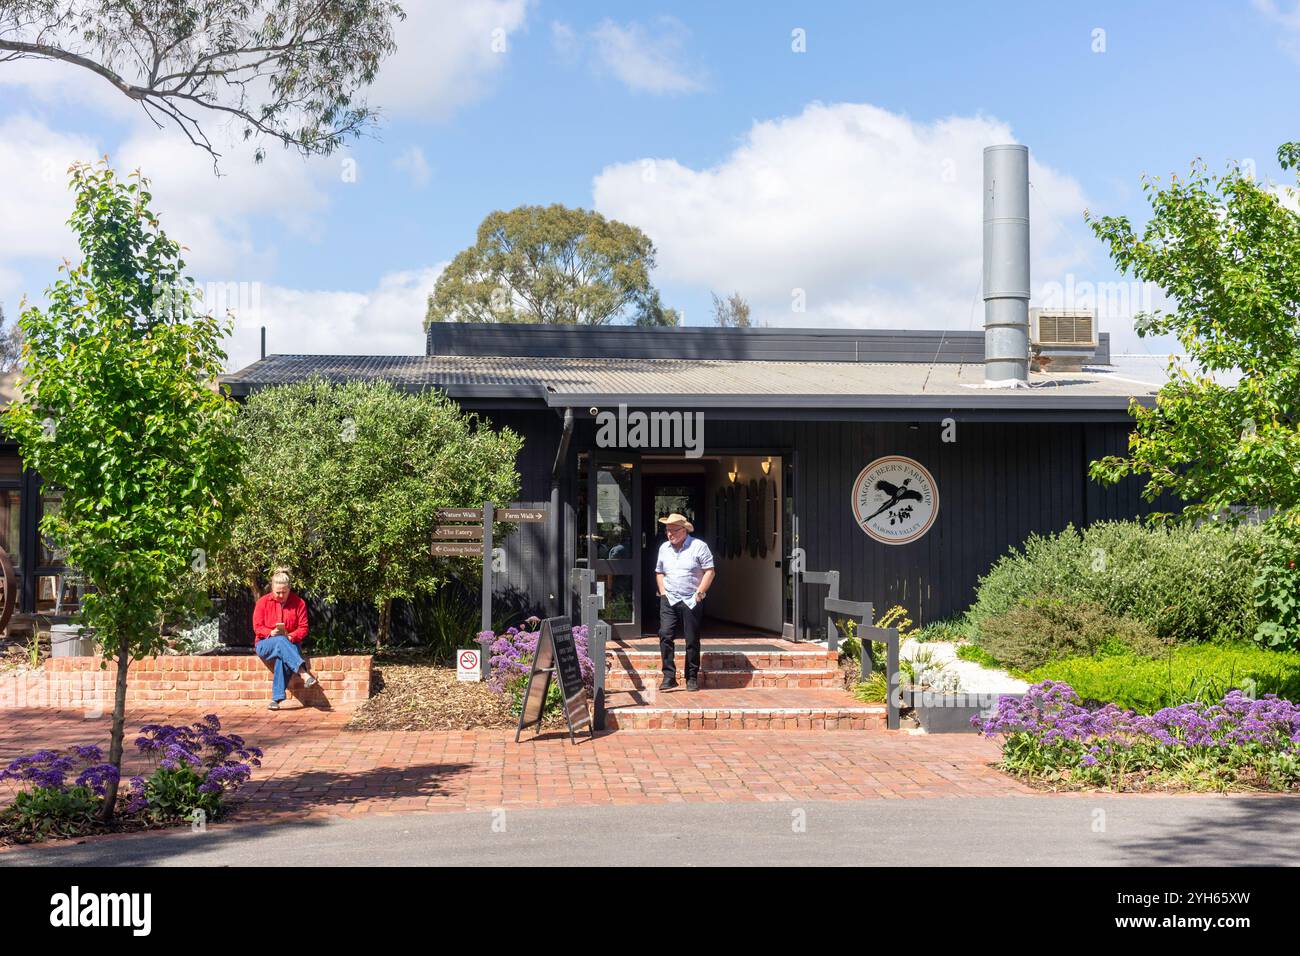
[313, 765]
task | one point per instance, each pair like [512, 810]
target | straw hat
[675, 518]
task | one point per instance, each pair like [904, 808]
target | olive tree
[342, 483]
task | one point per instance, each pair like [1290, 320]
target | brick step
[646, 660]
[772, 709]
[640, 679]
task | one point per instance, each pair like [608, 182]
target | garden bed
[180, 775]
[119, 825]
[411, 691]
[1237, 744]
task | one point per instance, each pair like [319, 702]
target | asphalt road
[1065, 831]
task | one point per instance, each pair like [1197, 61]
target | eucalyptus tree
[551, 264]
[282, 70]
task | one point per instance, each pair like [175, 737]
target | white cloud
[34, 160]
[1286, 20]
[448, 52]
[644, 61]
[565, 41]
[218, 218]
[412, 161]
[875, 217]
[387, 320]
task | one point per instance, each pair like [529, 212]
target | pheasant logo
[895, 500]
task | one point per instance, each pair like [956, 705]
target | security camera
[594, 411]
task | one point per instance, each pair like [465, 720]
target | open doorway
[735, 503]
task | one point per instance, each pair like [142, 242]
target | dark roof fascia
[1006, 408]
[1000, 416]
[766, 404]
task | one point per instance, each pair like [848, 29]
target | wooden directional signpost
[461, 540]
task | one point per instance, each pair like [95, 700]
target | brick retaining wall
[200, 681]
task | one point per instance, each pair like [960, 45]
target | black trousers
[671, 618]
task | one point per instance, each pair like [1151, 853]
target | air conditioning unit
[1061, 340]
[1068, 329]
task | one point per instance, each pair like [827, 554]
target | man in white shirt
[684, 574]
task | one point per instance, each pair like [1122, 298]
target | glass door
[614, 538]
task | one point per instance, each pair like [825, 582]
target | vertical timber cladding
[523, 586]
[998, 483]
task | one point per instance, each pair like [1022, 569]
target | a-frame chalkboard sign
[557, 654]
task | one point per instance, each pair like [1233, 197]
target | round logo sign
[895, 500]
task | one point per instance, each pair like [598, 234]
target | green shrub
[973, 652]
[43, 813]
[330, 637]
[517, 686]
[1277, 595]
[1186, 584]
[873, 690]
[174, 793]
[850, 645]
[951, 629]
[449, 622]
[1184, 673]
[1049, 628]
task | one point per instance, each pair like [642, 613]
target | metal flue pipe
[1006, 264]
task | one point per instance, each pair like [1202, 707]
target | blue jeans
[285, 659]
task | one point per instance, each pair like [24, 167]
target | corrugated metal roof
[564, 381]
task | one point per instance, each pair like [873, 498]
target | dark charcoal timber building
[879, 454]
[906, 461]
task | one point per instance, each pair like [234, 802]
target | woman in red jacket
[279, 625]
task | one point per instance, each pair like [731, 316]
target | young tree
[550, 264]
[342, 483]
[287, 70]
[1226, 250]
[733, 311]
[118, 411]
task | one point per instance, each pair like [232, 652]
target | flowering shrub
[510, 660]
[47, 806]
[1239, 741]
[195, 767]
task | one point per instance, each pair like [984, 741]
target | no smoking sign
[468, 664]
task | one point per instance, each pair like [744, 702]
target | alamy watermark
[657, 429]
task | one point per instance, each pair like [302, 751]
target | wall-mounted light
[767, 465]
[731, 475]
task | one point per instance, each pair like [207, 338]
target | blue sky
[848, 171]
